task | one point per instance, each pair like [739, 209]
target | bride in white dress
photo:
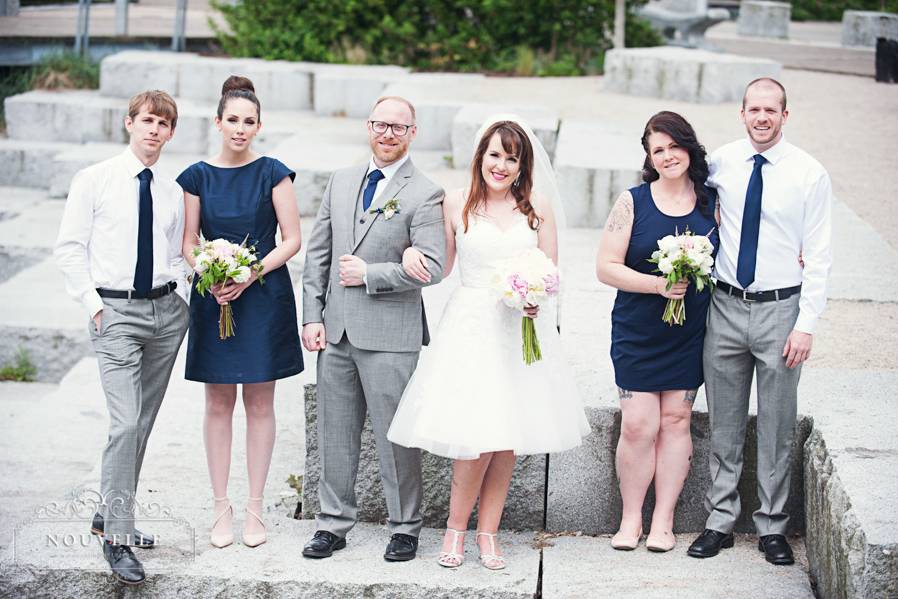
[472, 397]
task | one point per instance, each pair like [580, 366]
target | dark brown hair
[684, 136]
[516, 142]
[157, 102]
[770, 81]
[236, 86]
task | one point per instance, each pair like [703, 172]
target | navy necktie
[143, 272]
[373, 177]
[751, 225]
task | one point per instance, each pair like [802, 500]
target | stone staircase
[843, 486]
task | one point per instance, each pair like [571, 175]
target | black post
[886, 60]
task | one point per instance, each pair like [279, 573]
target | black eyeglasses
[399, 129]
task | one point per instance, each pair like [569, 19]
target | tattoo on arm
[621, 214]
[690, 395]
[624, 394]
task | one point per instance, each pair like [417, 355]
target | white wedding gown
[472, 392]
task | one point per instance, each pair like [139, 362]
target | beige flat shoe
[660, 543]
[622, 542]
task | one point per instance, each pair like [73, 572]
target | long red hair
[515, 142]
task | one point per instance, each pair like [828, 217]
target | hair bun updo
[236, 83]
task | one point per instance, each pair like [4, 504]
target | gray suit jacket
[388, 315]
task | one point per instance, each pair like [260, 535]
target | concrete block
[67, 164]
[281, 85]
[760, 18]
[593, 165]
[69, 116]
[583, 490]
[28, 163]
[201, 77]
[127, 73]
[582, 567]
[469, 119]
[523, 509]
[862, 27]
[683, 74]
[351, 90]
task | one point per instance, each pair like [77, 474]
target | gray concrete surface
[862, 27]
[760, 18]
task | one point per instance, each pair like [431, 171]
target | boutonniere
[390, 208]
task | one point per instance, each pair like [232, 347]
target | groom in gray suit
[366, 317]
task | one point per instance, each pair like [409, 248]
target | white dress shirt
[389, 171]
[97, 243]
[795, 219]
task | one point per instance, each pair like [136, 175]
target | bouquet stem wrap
[531, 349]
[225, 322]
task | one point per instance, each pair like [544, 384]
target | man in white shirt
[119, 248]
[772, 269]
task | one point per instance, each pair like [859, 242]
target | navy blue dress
[649, 354]
[236, 203]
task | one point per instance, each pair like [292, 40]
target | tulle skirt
[472, 392]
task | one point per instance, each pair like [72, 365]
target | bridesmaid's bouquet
[683, 256]
[218, 261]
[526, 281]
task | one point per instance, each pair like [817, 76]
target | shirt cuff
[805, 323]
[92, 302]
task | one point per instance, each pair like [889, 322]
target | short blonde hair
[157, 102]
[382, 99]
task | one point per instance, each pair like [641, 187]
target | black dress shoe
[124, 565]
[709, 543]
[135, 539]
[776, 550]
[323, 544]
[401, 548]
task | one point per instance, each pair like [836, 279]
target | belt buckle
[745, 297]
[129, 296]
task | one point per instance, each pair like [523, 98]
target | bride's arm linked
[610, 262]
[415, 263]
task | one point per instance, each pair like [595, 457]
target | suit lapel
[350, 191]
[399, 180]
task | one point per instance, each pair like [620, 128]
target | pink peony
[518, 285]
[552, 282]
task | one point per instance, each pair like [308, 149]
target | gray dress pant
[349, 381]
[744, 337]
[136, 349]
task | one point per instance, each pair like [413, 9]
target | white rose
[242, 275]
[665, 265]
[669, 244]
[201, 263]
[704, 269]
[695, 257]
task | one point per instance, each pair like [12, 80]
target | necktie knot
[759, 160]
[375, 176]
[145, 175]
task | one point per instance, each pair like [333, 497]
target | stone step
[28, 163]
[683, 74]
[583, 567]
[594, 163]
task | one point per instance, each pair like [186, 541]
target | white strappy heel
[490, 560]
[454, 558]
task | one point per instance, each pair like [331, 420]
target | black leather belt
[154, 293]
[758, 296]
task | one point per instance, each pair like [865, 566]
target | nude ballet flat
[221, 539]
[660, 543]
[625, 543]
[254, 539]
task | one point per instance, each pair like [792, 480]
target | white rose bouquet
[683, 256]
[218, 261]
[526, 281]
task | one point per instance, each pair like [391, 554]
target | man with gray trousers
[119, 247]
[772, 270]
[365, 316]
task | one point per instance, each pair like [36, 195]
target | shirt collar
[773, 154]
[388, 170]
[133, 165]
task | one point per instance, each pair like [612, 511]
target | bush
[831, 10]
[21, 369]
[536, 37]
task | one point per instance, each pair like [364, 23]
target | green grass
[20, 369]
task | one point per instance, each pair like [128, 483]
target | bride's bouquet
[683, 256]
[526, 281]
[218, 261]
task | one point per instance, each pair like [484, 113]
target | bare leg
[217, 426]
[493, 493]
[673, 457]
[467, 477]
[258, 402]
[635, 458]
